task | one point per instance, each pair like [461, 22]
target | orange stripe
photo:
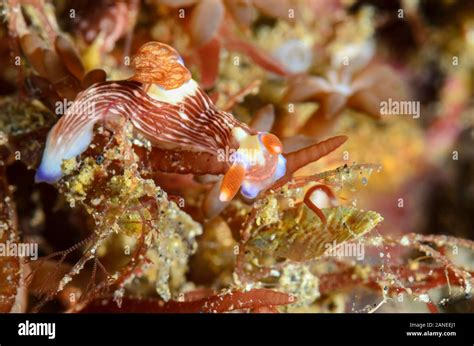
[231, 182]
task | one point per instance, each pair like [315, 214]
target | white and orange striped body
[168, 108]
[184, 118]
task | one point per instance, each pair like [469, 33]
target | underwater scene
[246, 156]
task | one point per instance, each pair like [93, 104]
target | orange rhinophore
[231, 183]
[272, 143]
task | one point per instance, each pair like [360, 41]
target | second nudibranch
[168, 108]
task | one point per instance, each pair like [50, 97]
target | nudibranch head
[158, 63]
[256, 165]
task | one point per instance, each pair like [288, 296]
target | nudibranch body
[171, 111]
[257, 164]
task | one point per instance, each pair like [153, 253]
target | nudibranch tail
[69, 137]
[73, 133]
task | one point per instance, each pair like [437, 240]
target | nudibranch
[169, 109]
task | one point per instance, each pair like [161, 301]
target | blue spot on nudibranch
[50, 170]
[281, 168]
[249, 190]
[44, 176]
[252, 190]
